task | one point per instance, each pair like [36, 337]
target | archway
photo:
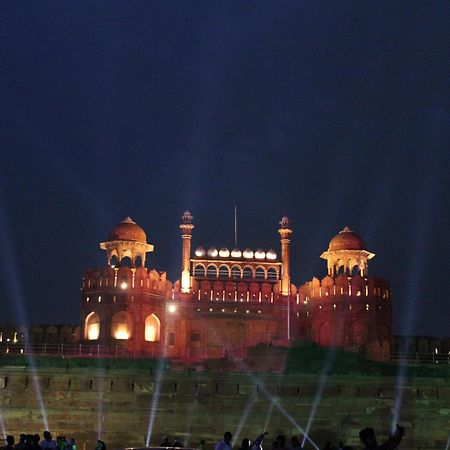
[152, 328]
[92, 326]
[121, 326]
[199, 271]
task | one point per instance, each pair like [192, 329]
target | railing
[81, 350]
[191, 354]
[427, 358]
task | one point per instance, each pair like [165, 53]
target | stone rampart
[82, 403]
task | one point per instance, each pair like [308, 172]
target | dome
[271, 255]
[128, 230]
[212, 252]
[199, 252]
[346, 240]
[224, 252]
[260, 254]
[236, 253]
[247, 253]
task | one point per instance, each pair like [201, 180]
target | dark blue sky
[335, 113]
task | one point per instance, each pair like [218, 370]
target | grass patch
[311, 359]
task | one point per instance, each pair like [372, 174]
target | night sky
[334, 113]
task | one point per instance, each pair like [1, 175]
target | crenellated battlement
[343, 286]
[125, 279]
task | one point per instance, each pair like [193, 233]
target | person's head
[367, 436]
[10, 440]
[36, 439]
[245, 443]
[295, 442]
[47, 435]
[22, 437]
[281, 440]
[101, 445]
[227, 437]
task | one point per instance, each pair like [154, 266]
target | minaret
[186, 227]
[285, 232]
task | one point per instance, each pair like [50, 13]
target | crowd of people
[367, 436]
[34, 442]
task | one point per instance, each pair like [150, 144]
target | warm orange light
[152, 328]
[93, 331]
[150, 333]
[122, 332]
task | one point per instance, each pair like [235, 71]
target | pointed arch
[152, 328]
[92, 326]
[122, 326]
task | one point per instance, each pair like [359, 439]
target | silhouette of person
[225, 443]
[295, 443]
[100, 445]
[367, 436]
[165, 442]
[245, 445]
[9, 443]
[257, 443]
[48, 443]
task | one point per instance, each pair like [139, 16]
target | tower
[127, 240]
[186, 227]
[285, 232]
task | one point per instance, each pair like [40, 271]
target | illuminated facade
[229, 300]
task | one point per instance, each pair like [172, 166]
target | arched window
[272, 273]
[126, 262]
[199, 271]
[138, 261]
[121, 326]
[236, 272]
[152, 327]
[260, 273]
[92, 326]
[248, 272]
[211, 271]
[224, 272]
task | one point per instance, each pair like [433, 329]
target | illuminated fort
[227, 301]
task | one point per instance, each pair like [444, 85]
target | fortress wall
[200, 405]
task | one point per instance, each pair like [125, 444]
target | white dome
[224, 252]
[212, 252]
[260, 254]
[236, 253]
[271, 255]
[200, 251]
[247, 253]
